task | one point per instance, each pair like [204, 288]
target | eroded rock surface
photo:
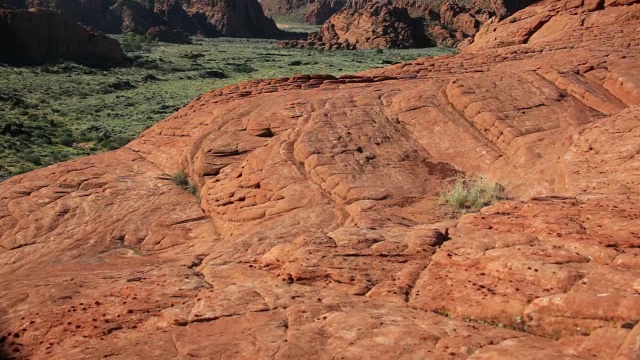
[318, 232]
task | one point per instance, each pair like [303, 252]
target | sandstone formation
[312, 12]
[446, 22]
[379, 25]
[236, 18]
[31, 37]
[318, 233]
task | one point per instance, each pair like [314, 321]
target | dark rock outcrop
[235, 18]
[31, 37]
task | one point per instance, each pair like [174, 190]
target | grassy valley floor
[58, 112]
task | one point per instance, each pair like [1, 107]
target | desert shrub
[115, 142]
[193, 190]
[132, 42]
[22, 169]
[242, 68]
[472, 194]
[66, 141]
[32, 158]
[180, 178]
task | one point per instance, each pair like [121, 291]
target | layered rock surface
[31, 37]
[318, 232]
[237, 18]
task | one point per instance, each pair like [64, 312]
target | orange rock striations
[318, 233]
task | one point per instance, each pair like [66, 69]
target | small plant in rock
[180, 178]
[472, 194]
[193, 190]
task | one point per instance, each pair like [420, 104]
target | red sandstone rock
[448, 22]
[318, 233]
[38, 36]
[312, 12]
[377, 26]
[238, 18]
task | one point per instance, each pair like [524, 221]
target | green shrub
[66, 141]
[32, 158]
[22, 169]
[193, 190]
[132, 42]
[472, 194]
[243, 68]
[180, 178]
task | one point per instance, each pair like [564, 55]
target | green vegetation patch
[131, 42]
[469, 195]
[58, 112]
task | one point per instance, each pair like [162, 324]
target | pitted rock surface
[318, 232]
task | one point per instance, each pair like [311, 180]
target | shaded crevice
[535, 28]
[186, 221]
[214, 318]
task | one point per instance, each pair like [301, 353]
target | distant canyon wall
[447, 21]
[235, 18]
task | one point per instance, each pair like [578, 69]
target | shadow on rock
[5, 351]
[4, 355]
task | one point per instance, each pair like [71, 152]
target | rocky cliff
[31, 37]
[447, 22]
[317, 232]
[379, 25]
[237, 18]
[312, 12]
